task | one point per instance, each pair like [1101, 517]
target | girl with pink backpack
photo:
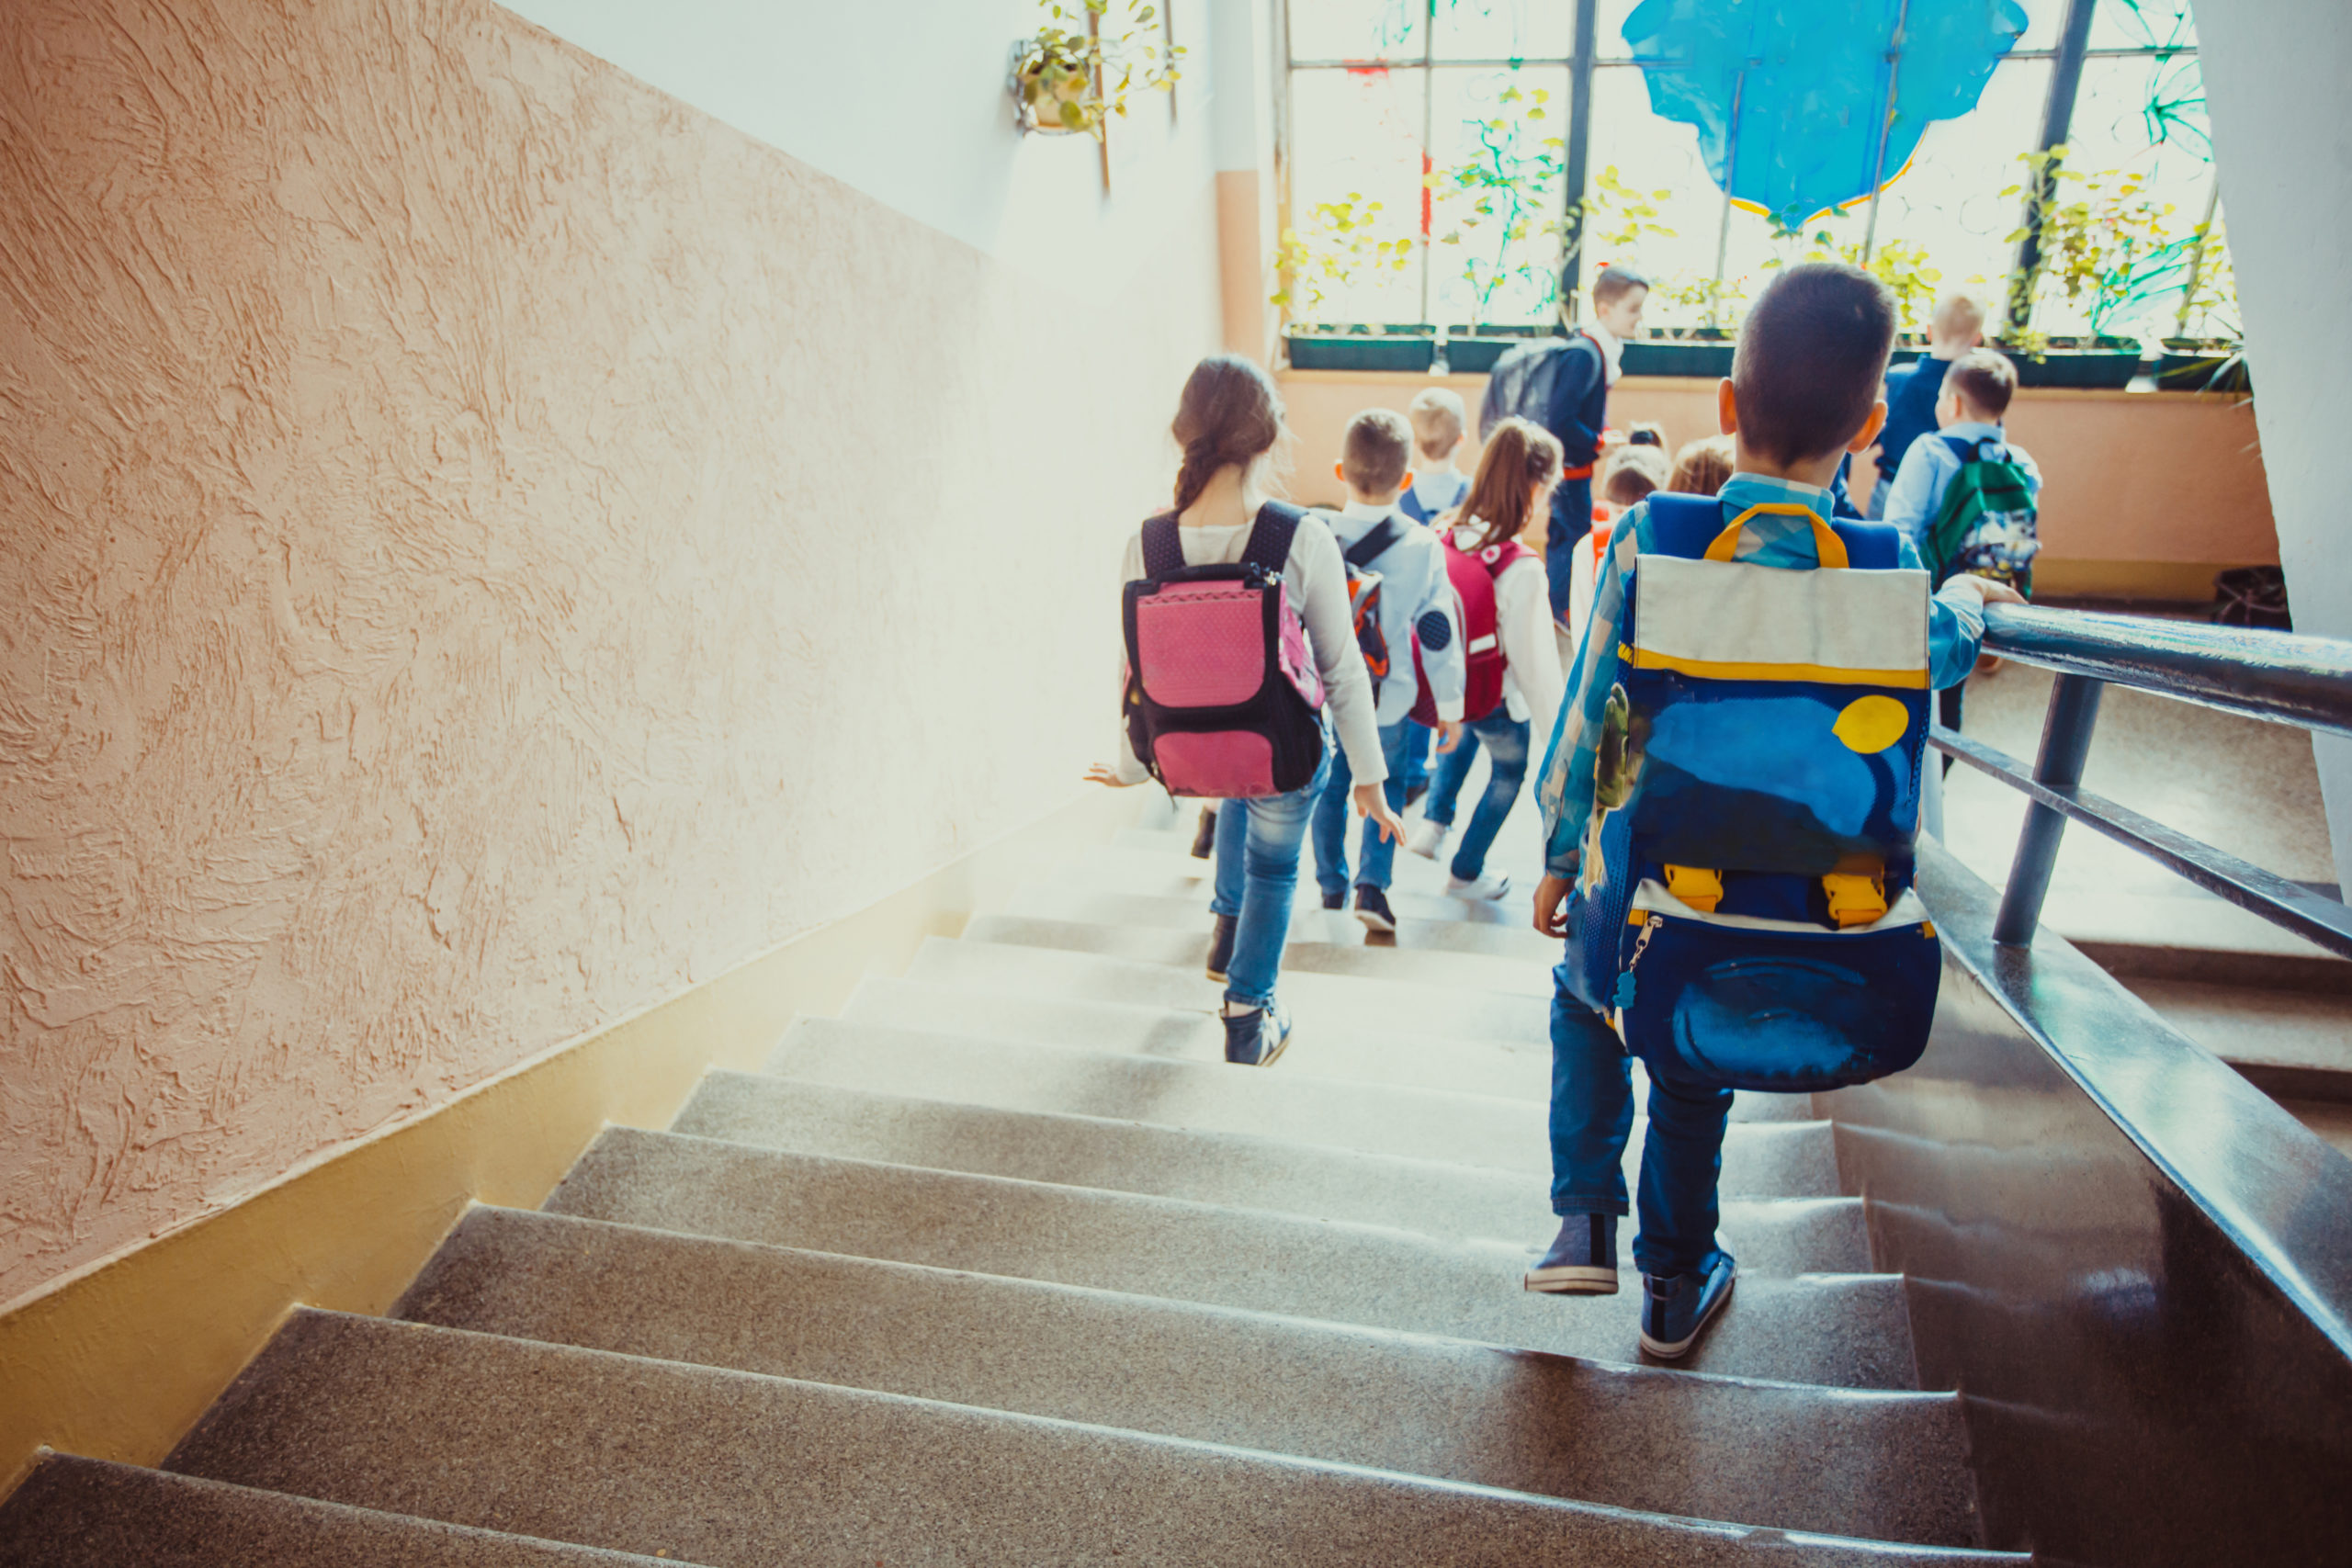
[1241, 665]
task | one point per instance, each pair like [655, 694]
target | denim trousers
[1592, 1117]
[1331, 817]
[1506, 740]
[1571, 521]
[1257, 873]
[1418, 737]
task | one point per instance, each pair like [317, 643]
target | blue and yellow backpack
[1744, 908]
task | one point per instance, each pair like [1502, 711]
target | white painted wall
[2274, 78]
[905, 100]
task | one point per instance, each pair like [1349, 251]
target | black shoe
[1335, 900]
[1221, 946]
[1255, 1038]
[1371, 908]
[1413, 794]
[1205, 839]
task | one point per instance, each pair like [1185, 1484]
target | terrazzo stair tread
[1410, 872]
[1508, 853]
[1889, 1466]
[1332, 1004]
[1840, 1330]
[1309, 922]
[733, 1470]
[1771, 1234]
[1187, 950]
[1511, 1071]
[1154, 874]
[2256, 1025]
[72, 1512]
[1786, 1159]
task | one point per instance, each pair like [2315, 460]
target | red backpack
[1473, 577]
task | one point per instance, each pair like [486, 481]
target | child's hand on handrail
[1988, 592]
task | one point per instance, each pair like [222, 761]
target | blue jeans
[1257, 872]
[1418, 737]
[1571, 521]
[1592, 1115]
[1505, 738]
[1331, 817]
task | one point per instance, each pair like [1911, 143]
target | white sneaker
[1491, 886]
[1425, 838]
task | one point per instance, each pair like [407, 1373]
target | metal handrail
[2301, 680]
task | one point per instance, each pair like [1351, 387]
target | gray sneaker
[1255, 1038]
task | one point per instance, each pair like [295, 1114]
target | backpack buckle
[1855, 900]
[1695, 886]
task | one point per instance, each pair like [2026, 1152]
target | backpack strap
[1163, 548]
[1375, 545]
[1683, 525]
[1270, 535]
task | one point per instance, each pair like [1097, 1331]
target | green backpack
[1988, 525]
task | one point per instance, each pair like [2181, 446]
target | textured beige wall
[483, 547]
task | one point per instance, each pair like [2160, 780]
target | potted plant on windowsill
[2110, 251]
[1343, 240]
[1070, 81]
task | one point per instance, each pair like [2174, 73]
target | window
[1428, 146]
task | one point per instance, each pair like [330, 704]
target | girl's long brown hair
[1520, 460]
[1230, 413]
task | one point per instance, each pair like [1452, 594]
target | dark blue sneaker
[1583, 1260]
[1255, 1038]
[1221, 946]
[1676, 1307]
[1336, 900]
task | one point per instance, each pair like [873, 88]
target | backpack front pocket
[1776, 1005]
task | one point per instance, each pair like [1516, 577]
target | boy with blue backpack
[1409, 632]
[1730, 801]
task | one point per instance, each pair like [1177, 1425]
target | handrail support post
[2065, 744]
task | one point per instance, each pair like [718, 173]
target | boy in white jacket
[1416, 606]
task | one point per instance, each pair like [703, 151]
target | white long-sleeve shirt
[1416, 604]
[1534, 684]
[1317, 581]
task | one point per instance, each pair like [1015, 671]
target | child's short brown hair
[1810, 359]
[1375, 452]
[1614, 281]
[1703, 467]
[1439, 420]
[1632, 473]
[1984, 381]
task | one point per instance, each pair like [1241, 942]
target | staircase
[1005, 1265]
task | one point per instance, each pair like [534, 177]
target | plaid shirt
[1564, 788]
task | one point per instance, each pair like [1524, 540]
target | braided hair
[1229, 414]
[1520, 460]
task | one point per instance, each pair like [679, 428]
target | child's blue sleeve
[1564, 789]
[1955, 627]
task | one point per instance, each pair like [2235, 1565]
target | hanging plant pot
[1053, 95]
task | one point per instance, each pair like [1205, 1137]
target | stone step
[1159, 874]
[1462, 925]
[726, 1468]
[86, 1513]
[1188, 951]
[1844, 1330]
[1889, 1466]
[1327, 1009]
[1511, 1071]
[1515, 854]
[1787, 1159]
[1822, 1234]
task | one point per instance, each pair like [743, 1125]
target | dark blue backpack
[1744, 907]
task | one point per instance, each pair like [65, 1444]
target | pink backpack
[1222, 699]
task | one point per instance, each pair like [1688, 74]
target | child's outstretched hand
[1552, 904]
[1104, 773]
[1449, 734]
[1372, 802]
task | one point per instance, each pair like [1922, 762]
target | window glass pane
[1356, 29]
[2043, 19]
[1945, 213]
[1355, 186]
[1498, 140]
[1649, 201]
[2140, 120]
[1505, 30]
[2141, 24]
